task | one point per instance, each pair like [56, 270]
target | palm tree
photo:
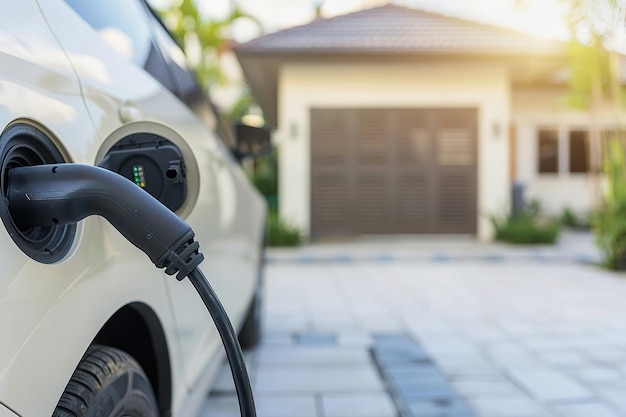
[203, 39]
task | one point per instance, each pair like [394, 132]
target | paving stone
[333, 323]
[316, 339]
[412, 392]
[417, 384]
[607, 355]
[451, 408]
[286, 406]
[358, 405]
[389, 356]
[402, 345]
[224, 381]
[221, 406]
[484, 333]
[564, 359]
[469, 388]
[412, 371]
[505, 348]
[380, 325]
[318, 379]
[584, 410]
[286, 323]
[352, 338]
[310, 356]
[547, 344]
[448, 344]
[613, 395]
[410, 384]
[513, 406]
[599, 375]
[549, 385]
[392, 339]
[522, 360]
[277, 340]
[464, 366]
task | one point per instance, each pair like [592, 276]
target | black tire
[107, 383]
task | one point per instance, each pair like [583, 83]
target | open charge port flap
[152, 163]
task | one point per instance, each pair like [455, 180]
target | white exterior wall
[532, 110]
[375, 85]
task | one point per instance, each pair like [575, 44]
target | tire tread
[95, 368]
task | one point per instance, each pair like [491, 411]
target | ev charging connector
[45, 195]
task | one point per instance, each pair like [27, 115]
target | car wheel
[107, 383]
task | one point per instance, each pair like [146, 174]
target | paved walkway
[575, 246]
[471, 336]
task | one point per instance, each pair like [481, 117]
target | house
[398, 121]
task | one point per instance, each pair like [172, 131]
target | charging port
[23, 145]
[153, 163]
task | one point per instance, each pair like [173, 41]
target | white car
[88, 325]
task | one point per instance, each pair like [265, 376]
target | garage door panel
[413, 212]
[455, 147]
[330, 147]
[462, 118]
[414, 147]
[456, 207]
[372, 208]
[372, 141]
[395, 171]
[332, 206]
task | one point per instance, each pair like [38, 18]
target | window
[121, 23]
[134, 31]
[548, 151]
[124, 25]
[578, 151]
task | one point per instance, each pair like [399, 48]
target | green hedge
[282, 233]
[527, 229]
[609, 222]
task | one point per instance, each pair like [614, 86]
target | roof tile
[392, 29]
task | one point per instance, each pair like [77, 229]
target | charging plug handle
[66, 193]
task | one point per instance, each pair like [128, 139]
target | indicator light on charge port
[138, 175]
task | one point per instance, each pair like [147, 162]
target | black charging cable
[229, 339]
[47, 195]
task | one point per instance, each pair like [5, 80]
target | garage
[393, 171]
[393, 120]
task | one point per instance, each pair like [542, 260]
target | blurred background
[449, 177]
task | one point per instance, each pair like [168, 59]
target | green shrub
[609, 222]
[526, 229]
[574, 221]
[282, 233]
[265, 176]
[609, 226]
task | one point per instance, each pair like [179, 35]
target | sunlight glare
[545, 18]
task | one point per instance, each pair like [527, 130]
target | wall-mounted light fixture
[496, 129]
[293, 130]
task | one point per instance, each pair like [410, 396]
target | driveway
[437, 329]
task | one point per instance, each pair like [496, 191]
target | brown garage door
[384, 171]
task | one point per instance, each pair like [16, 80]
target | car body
[85, 84]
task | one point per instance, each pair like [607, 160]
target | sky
[541, 17]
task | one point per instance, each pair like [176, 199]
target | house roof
[393, 29]
[393, 32]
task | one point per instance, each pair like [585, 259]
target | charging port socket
[152, 163]
[24, 145]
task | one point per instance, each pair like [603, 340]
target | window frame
[564, 165]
